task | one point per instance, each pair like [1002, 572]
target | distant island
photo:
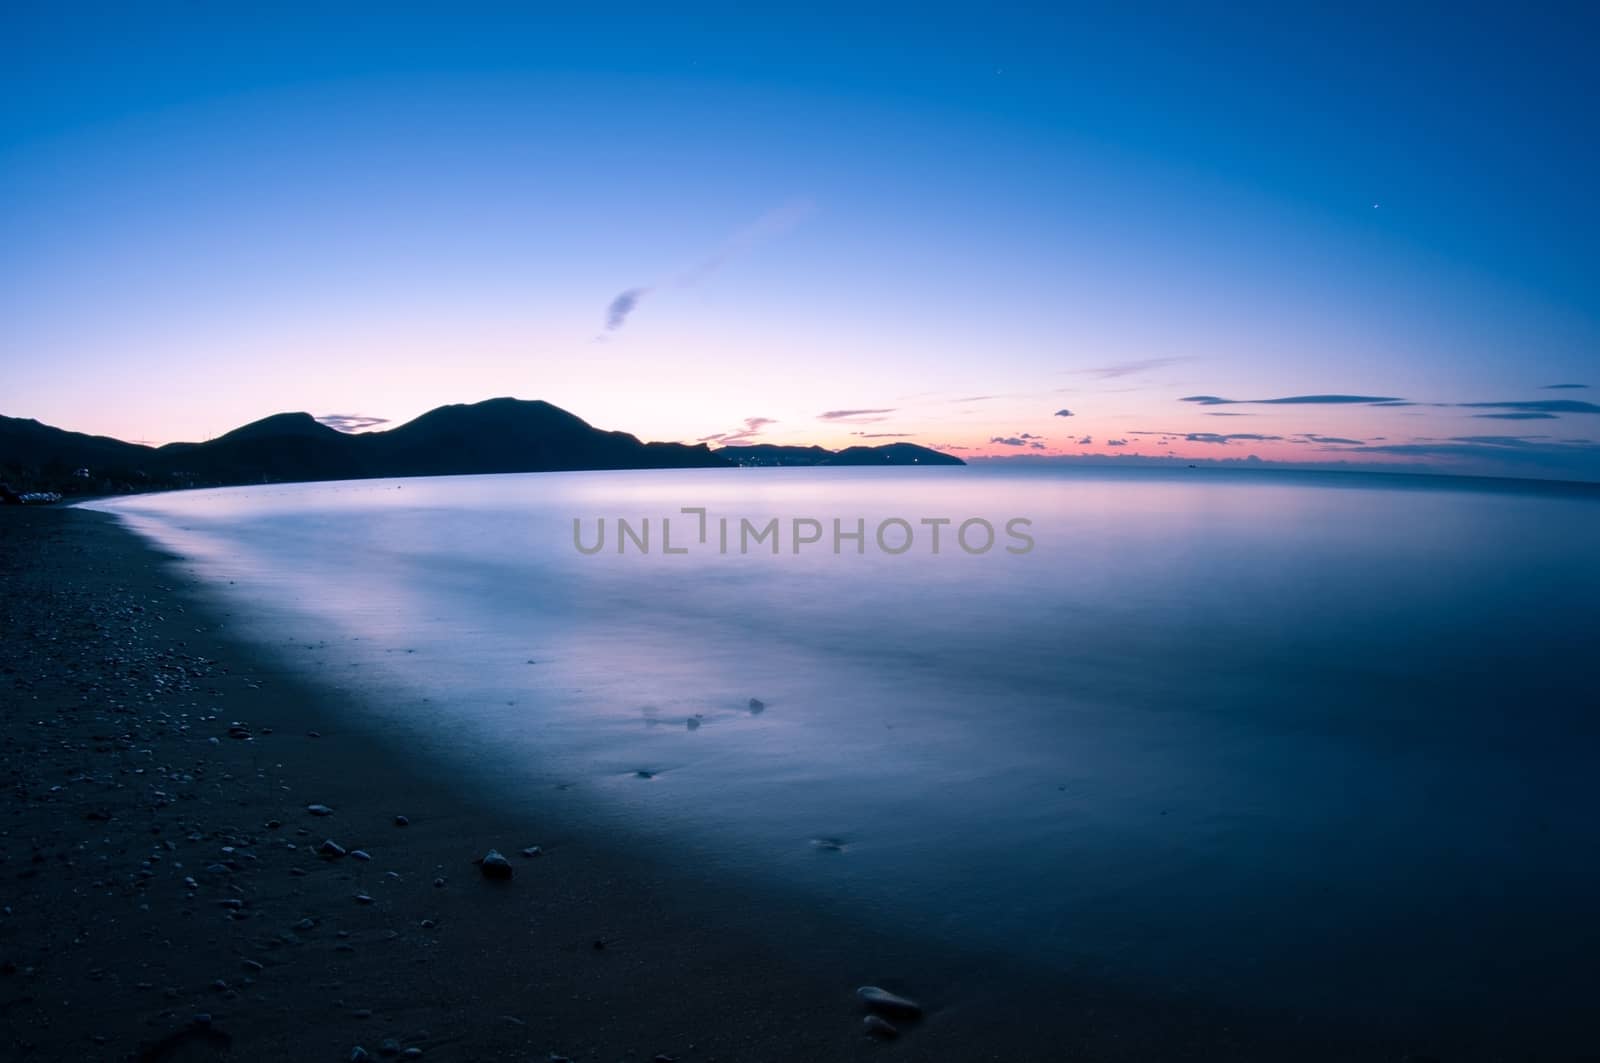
[495, 436]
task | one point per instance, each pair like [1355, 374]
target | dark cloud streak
[1540, 406]
[1295, 400]
[623, 305]
[853, 416]
[1518, 416]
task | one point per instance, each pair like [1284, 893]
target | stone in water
[887, 1003]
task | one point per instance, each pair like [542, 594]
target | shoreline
[125, 681]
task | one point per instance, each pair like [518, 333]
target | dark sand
[120, 683]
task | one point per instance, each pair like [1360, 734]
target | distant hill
[888, 454]
[495, 436]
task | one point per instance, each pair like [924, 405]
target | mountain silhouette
[495, 436]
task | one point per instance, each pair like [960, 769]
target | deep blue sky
[960, 221]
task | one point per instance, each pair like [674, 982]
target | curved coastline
[607, 945]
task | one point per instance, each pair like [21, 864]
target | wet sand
[165, 898]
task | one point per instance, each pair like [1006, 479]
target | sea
[1316, 741]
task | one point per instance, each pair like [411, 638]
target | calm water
[1325, 742]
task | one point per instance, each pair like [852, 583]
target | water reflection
[1243, 735]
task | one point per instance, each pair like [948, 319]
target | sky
[1352, 236]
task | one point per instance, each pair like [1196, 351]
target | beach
[127, 788]
[165, 898]
[172, 785]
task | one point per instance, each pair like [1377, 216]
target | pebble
[532, 850]
[359, 1055]
[493, 865]
[363, 898]
[360, 854]
[252, 965]
[331, 849]
[881, 1000]
[877, 1027]
[319, 810]
[756, 705]
[401, 821]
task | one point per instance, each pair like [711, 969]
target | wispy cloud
[1214, 438]
[855, 416]
[1224, 440]
[1023, 439]
[1502, 441]
[1517, 416]
[739, 436]
[1334, 439]
[773, 223]
[885, 435]
[1538, 406]
[1295, 400]
[351, 422]
[1121, 369]
[1564, 387]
